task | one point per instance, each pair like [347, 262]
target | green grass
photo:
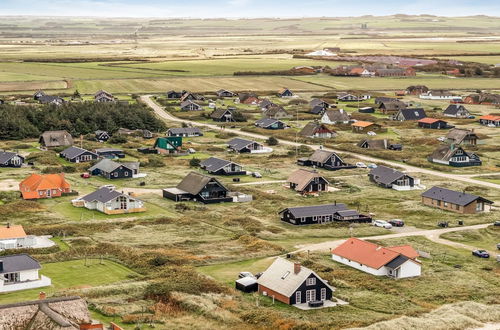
[73, 274]
[486, 238]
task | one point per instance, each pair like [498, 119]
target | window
[126, 173]
[311, 281]
[445, 204]
[323, 294]
[285, 275]
[310, 295]
[298, 297]
[115, 174]
[123, 202]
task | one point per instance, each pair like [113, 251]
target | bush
[194, 162]
[117, 139]
[272, 141]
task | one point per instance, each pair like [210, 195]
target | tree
[76, 95]
[194, 162]
[272, 141]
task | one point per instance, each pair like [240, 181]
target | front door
[298, 297]
[49, 192]
[310, 295]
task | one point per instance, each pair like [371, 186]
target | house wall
[276, 295]
[42, 282]
[28, 275]
[354, 264]
[318, 286]
[467, 209]
[410, 269]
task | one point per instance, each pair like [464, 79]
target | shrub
[272, 141]
[194, 162]
[118, 138]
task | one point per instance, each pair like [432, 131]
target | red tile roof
[31, 185]
[360, 123]
[490, 117]
[12, 232]
[428, 120]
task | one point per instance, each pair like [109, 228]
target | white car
[360, 165]
[382, 223]
[441, 138]
[491, 125]
[371, 133]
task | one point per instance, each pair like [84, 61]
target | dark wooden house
[102, 136]
[319, 214]
[285, 92]
[455, 156]
[244, 146]
[269, 123]
[199, 188]
[217, 166]
[10, 159]
[387, 177]
[433, 123]
[113, 170]
[78, 155]
[328, 160]
[307, 182]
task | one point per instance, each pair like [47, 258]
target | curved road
[160, 112]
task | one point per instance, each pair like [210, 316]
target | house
[168, 145]
[38, 94]
[248, 98]
[391, 106]
[395, 261]
[304, 69]
[184, 132]
[49, 99]
[333, 117]
[319, 103]
[346, 97]
[14, 237]
[387, 177]
[53, 139]
[174, 95]
[307, 182]
[382, 144]
[265, 104]
[113, 170]
[293, 284]
[285, 92]
[102, 136]
[103, 96]
[317, 110]
[109, 201]
[360, 72]
[78, 155]
[395, 72]
[187, 96]
[381, 99]
[225, 93]
[269, 123]
[10, 159]
[462, 136]
[417, 90]
[438, 95]
[488, 120]
[400, 93]
[20, 272]
[454, 156]
[456, 111]
[365, 126]
[320, 214]
[483, 98]
[110, 153]
[410, 114]
[317, 130]
[189, 105]
[68, 313]
[146, 134]
[222, 115]
[455, 201]
[199, 188]
[217, 166]
[44, 186]
[328, 160]
[433, 123]
[246, 146]
[276, 112]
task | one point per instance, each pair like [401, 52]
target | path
[456, 177]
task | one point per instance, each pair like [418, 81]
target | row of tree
[19, 122]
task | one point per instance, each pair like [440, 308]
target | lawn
[74, 274]
[486, 238]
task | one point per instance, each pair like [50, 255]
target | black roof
[396, 262]
[451, 196]
[73, 152]
[102, 195]
[17, 263]
[317, 109]
[452, 109]
[413, 114]
[49, 99]
[239, 144]
[184, 130]
[385, 175]
[265, 122]
[317, 210]
[214, 164]
[5, 156]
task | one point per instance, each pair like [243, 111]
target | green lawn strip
[486, 238]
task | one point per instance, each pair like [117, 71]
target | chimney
[296, 268]
[42, 295]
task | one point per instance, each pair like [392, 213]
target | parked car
[441, 138]
[245, 274]
[491, 125]
[256, 175]
[372, 165]
[382, 223]
[496, 223]
[397, 222]
[498, 246]
[443, 224]
[481, 253]
[371, 133]
[85, 175]
[360, 165]
[471, 117]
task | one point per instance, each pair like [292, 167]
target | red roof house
[44, 186]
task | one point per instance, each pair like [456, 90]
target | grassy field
[486, 238]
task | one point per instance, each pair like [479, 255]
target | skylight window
[285, 275]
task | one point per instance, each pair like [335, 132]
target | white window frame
[310, 295]
[323, 294]
[298, 297]
[311, 281]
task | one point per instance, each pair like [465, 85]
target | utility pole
[297, 134]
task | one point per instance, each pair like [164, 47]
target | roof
[445, 152]
[185, 130]
[385, 175]
[108, 165]
[490, 117]
[398, 261]
[371, 254]
[29, 187]
[412, 114]
[100, 150]
[194, 182]
[316, 210]
[265, 122]
[56, 138]
[45, 99]
[337, 115]
[219, 112]
[317, 109]
[102, 195]
[375, 144]
[281, 278]
[18, 263]
[312, 127]
[188, 102]
[214, 164]
[302, 177]
[5, 156]
[315, 102]
[283, 90]
[73, 152]
[459, 134]
[453, 109]
[393, 105]
[406, 250]
[273, 109]
[361, 123]
[10, 232]
[238, 144]
[428, 120]
[451, 196]
[321, 156]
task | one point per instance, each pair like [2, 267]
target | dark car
[481, 253]
[498, 246]
[397, 222]
[497, 223]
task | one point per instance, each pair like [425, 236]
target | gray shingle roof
[194, 182]
[102, 195]
[73, 152]
[107, 165]
[453, 109]
[18, 262]
[265, 122]
[396, 262]
[214, 164]
[185, 130]
[451, 196]
[385, 175]
[5, 156]
[238, 144]
[412, 114]
[317, 210]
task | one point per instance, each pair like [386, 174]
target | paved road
[432, 234]
[456, 177]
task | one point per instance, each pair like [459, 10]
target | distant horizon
[244, 9]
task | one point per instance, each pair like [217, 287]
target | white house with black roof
[102, 136]
[247, 146]
[113, 170]
[387, 177]
[328, 160]
[410, 114]
[455, 156]
[293, 284]
[184, 131]
[319, 214]
[109, 201]
[20, 272]
[270, 123]
[78, 155]
[217, 166]
[456, 111]
[10, 159]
